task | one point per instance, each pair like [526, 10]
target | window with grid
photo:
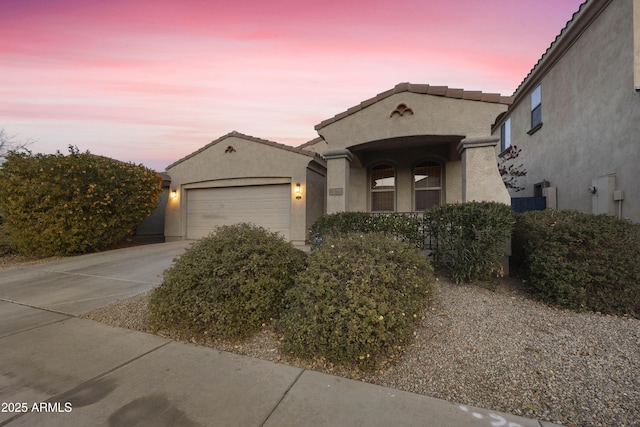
[427, 178]
[536, 106]
[383, 188]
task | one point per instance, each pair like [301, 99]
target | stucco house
[406, 149]
[576, 116]
[240, 178]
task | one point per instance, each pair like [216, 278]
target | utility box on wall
[602, 200]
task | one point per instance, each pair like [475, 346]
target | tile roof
[424, 89]
[314, 141]
[236, 134]
[581, 19]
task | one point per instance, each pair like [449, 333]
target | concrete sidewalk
[57, 369]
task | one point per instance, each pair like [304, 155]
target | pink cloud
[189, 71]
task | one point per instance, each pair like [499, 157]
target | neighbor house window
[383, 188]
[427, 177]
[505, 135]
[536, 107]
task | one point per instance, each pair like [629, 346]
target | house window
[383, 188]
[505, 135]
[427, 178]
[536, 108]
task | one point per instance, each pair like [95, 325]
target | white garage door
[268, 206]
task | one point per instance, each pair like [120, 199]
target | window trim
[394, 190]
[415, 189]
[536, 109]
[505, 135]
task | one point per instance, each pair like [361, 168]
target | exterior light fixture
[298, 191]
[174, 194]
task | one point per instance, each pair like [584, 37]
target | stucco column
[481, 180]
[338, 162]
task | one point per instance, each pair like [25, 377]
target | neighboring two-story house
[576, 116]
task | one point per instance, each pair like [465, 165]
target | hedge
[72, 204]
[580, 261]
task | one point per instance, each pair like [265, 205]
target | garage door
[268, 206]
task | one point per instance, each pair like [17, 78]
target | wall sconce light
[298, 191]
[174, 194]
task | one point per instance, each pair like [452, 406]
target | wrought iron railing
[415, 229]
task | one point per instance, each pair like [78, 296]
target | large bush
[468, 240]
[358, 300]
[227, 284]
[580, 261]
[5, 242]
[72, 204]
[403, 226]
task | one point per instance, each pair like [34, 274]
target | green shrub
[358, 300]
[403, 226]
[5, 242]
[580, 261]
[72, 204]
[468, 240]
[227, 284]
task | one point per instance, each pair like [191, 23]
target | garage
[268, 206]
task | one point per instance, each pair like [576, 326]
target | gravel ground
[491, 347]
[11, 260]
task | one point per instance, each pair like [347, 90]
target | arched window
[383, 188]
[427, 178]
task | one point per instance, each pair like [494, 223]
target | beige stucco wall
[590, 115]
[449, 119]
[316, 190]
[252, 163]
[432, 115]
[482, 182]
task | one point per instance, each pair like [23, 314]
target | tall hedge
[580, 261]
[56, 204]
[468, 240]
[406, 227]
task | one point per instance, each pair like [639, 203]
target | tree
[10, 143]
[56, 204]
[508, 170]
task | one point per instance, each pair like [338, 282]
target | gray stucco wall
[590, 115]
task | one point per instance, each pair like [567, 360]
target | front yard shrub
[468, 240]
[407, 227]
[71, 204]
[5, 242]
[358, 300]
[226, 285]
[580, 261]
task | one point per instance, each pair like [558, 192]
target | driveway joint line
[93, 276]
[286, 392]
[37, 307]
[68, 316]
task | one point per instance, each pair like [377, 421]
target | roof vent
[401, 109]
[230, 149]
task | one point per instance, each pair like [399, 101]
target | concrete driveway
[80, 284]
[60, 370]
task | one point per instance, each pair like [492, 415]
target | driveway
[80, 284]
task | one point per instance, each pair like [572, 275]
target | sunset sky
[150, 81]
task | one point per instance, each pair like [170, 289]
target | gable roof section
[581, 19]
[424, 89]
[314, 141]
[235, 134]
